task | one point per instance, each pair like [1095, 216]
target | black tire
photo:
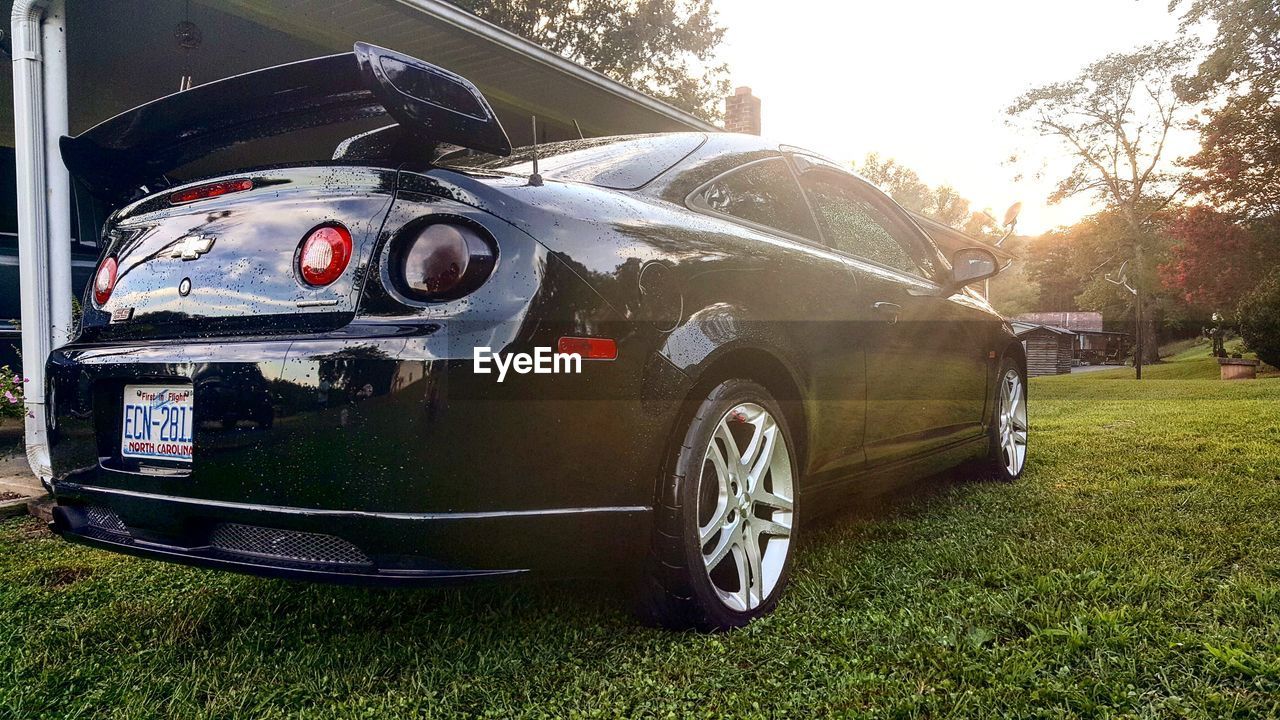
[996, 463]
[677, 590]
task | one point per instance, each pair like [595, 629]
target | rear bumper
[390, 444]
[70, 524]
[345, 547]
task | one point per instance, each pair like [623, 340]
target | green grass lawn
[1133, 572]
[1189, 360]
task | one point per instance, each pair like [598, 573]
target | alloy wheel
[745, 506]
[1013, 423]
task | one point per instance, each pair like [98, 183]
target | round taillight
[325, 254]
[445, 260]
[105, 280]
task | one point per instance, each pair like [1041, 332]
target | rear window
[622, 162]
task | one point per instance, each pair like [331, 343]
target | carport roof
[518, 76]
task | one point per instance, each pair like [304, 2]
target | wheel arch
[769, 371]
[1013, 348]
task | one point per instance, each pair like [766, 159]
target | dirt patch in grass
[58, 577]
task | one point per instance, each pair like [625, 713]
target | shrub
[1259, 319]
[11, 404]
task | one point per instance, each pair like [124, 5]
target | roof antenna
[536, 178]
[579, 129]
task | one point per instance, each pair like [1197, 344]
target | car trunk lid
[227, 265]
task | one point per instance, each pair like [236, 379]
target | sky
[927, 82]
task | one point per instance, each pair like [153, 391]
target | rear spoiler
[137, 147]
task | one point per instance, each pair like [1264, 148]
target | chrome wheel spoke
[755, 459]
[728, 539]
[770, 527]
[718, 522]
[772, 500]
[723, 501]
[734, 455]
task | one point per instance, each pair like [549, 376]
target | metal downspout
[44, 266]
[57, 179]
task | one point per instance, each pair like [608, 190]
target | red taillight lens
[325, 254]
[211, 190]
[105, 280]
[445, 260]
[589, 348]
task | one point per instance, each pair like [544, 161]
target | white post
[57, 180]
[44, 262]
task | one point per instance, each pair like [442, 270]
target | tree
[1012, 292]
[1215, 260]
[948, 207]
[663, 47]
[1067, 268]
[899, 181]
[1258, 318]
[1067, 264]
[942, 203]
[1247, 46]
[1050, 261]
[1239, 158]
[982, 224]
[1114, 118]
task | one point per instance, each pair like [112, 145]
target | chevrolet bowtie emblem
[191, 247]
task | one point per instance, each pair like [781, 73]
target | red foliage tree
[1215, 260]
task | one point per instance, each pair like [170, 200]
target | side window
[763, 192]
[854, 225]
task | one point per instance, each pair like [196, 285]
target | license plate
[156, 422]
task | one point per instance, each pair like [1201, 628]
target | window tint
[764, 193]
[854, 225]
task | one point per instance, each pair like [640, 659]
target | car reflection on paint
[232, 393]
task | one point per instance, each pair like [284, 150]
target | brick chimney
[742, 112]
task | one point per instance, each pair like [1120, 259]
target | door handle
[888, 308]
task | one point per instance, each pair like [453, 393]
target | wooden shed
[1050, 349]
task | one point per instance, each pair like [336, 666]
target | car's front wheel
[1008, 427]
[726, 517]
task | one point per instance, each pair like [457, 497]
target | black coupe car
[430, 358]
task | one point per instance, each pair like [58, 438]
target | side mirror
[968, 266]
